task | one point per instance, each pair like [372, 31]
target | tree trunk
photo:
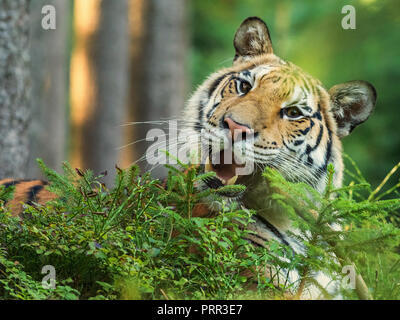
[49, 69]
[107, 50]
[162, 88]
[14, 87]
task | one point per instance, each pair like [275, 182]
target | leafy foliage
[340, 223]
[132, 241]
[142, 240]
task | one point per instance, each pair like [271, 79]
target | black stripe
[246, 73]
[276, 79]
[199, 124]
[213, 183]
[209, 113]
[287, 147]
[317, 115]
[309, 149]
[321, 131]
[298, 142]
[258, 237]
[274, 230]
[224, 87]
[11, 183]
[310, 161]
[215, 84]
[328, 151]
[306, 85]
[305, 131]
[31, 194]
[14, 183]
[254, 243]
[203, 103]
[328, 155]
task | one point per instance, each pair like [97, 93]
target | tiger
[27, 191]
[274, 115]
[281, 116]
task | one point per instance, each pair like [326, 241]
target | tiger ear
[352, 104]
[252, 38]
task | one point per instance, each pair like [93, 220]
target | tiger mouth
[224, 167]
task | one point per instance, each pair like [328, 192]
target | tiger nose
[236, 129]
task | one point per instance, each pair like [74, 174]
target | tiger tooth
[208, 166]
[232, 180]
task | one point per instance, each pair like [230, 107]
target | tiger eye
[293, 112]
[244, 87]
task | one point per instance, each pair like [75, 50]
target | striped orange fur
[27, 192]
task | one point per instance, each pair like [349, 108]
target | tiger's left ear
[352, 104]
[252, 38]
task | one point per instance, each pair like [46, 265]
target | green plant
[351, 224]
[136, 239]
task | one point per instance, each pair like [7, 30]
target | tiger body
[274, 115]
[26, 192]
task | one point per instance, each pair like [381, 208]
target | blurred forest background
[65, 94]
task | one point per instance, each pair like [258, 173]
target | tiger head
[273, 114]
